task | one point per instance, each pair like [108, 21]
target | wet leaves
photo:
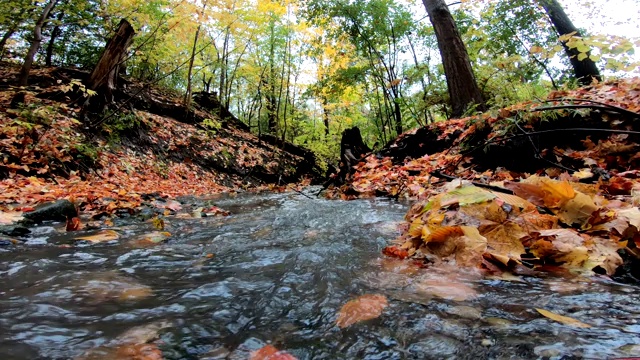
[475, 228]
[365, 307]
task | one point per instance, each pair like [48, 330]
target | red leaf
[74, 224]
[394, 251]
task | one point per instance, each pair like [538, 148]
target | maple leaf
[365, 307]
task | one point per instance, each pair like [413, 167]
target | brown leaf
[563, 319]
[102, 236]
[365, 307]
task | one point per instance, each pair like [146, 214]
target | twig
[438, 173]
[591, 107]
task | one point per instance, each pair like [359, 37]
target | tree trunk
[104, 75]
[35, 43]
[54, 34]
[5, 38]
[187, 95]
[352, 148]
[463, 89]
[585, 70]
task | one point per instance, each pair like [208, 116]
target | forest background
[304, 71]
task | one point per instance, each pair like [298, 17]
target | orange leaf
[394, 251]
[365, 307]
[74, 224]
[139, 352]
[269, 352]
[105, 235]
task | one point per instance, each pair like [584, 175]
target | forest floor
[48, 154]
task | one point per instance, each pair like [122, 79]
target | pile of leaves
[546, 223]
[547, 184]
[48, 154]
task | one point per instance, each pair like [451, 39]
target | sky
[613, 17]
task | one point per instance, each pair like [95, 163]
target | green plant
[211, 125]
[77, 84]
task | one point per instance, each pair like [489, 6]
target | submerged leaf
[365, 307]
[270, 352]
[102, 236]
[563, 319]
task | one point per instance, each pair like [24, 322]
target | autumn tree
[461, 82]
[35, 43]
[584, 68]
[13, 14]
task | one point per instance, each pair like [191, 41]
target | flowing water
[277, 271]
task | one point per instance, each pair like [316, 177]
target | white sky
[613, 17]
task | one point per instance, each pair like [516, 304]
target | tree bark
[352, 148]
[585, 70]
[55, 32]
[5, 38]
[104, 75]
[187, 95]
[462, 85]
[35, 43]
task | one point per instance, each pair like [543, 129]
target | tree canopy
[304, 71]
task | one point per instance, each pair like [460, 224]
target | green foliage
[119, 124]
[86, 152]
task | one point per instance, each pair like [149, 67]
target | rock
[14, 230]
[54, 211]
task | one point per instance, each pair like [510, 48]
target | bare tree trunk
[462, 85]
[104, 75]
[54, 35]
[35, 43]
[585, 70]
[187, 95]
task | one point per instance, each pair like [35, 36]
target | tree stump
[103, 77]
[352, 149]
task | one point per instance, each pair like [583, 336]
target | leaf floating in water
[102, 236]
[365, 307]
[563, 319]
[139, 352]
[155, 237]
[269, 352]
[445, 288]
[158, 223]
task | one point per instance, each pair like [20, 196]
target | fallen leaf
[138, 352]
[447, 288]
[269, 352]
[102, 236]
[563, 319]
[73, 224]
[7, 218]
[365, 307]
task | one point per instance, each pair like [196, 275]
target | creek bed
[277, 271]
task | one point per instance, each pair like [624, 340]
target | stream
[277, 271]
